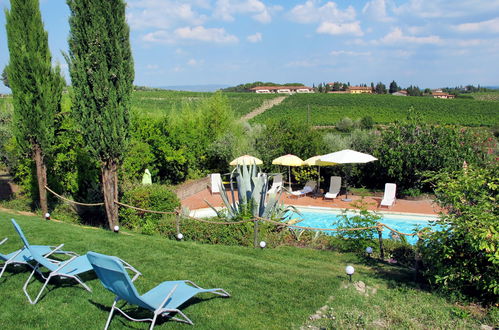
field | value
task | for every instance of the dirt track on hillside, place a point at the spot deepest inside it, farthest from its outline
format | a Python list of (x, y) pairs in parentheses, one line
[(267, 104)]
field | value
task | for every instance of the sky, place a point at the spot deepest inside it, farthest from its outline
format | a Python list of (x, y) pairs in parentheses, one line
[(428, 43)]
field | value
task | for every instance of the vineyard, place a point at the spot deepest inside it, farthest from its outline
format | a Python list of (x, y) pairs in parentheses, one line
[(159, 103), (328, 109)]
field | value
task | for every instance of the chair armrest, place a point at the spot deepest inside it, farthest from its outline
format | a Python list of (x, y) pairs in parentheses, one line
[(54, 250), (4, 240), (61, 265), (168, 296), (128, 266)]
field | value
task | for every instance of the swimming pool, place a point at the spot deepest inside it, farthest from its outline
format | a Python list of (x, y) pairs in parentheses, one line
[(324, 218)]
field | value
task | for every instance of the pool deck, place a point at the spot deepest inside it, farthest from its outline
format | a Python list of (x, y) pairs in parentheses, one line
[(426, 206)]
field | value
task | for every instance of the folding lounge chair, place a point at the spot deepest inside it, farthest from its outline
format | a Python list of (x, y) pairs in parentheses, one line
[(389, 195), (23, 256), (164, 299), (309, 188), (276, 185), (334, 187), (69, 268), (215, 183)]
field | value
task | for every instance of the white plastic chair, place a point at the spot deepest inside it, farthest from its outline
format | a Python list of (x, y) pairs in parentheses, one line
[(389, 195), (276, 185), (334, 188), (307, 189)]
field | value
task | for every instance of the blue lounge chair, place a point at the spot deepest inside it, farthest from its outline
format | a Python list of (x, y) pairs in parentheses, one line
[(23, 256), (164, 300), (69, 268)]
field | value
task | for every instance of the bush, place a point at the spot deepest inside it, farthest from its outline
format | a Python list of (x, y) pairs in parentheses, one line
[(154, 197), (345, 125), (464, 255)]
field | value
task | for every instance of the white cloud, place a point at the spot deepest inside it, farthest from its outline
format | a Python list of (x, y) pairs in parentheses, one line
[(445, 8), (198, 33), (376, 9), (311, 12), (490, 26), (396, 36), (194, 62), (352, 28), (226, 9), (349, 53), (162, 14), (257, 37), (152, 66)]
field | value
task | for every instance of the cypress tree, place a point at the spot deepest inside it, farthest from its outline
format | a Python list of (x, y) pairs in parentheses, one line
[(101, 68), (36, 86)]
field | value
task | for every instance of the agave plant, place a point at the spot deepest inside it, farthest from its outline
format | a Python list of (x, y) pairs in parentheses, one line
[(252, 198)]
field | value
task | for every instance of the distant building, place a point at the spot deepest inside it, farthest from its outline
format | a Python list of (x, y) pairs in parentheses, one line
[(359, 90), (281, 89), (442, 95), (400, 93)]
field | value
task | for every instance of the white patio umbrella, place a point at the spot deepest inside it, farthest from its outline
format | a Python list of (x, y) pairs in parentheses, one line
[(348, 156), (246, 160), (288, 160), (316, 161)]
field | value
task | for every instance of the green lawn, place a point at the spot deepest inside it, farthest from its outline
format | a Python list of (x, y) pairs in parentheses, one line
[(271, 289)]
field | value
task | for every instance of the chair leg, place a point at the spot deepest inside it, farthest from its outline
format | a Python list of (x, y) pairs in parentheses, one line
[(4, 266), (25, 287), (108, 322), (153, 321)]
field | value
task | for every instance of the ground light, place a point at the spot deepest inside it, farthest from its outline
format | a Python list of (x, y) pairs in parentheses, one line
[(369, 250), (47, 216), (116, 229), (263, 244), (350, 270), (180, 236)]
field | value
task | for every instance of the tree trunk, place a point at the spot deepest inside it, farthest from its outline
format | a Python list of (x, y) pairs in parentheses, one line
[(41, 176), (110, 191)]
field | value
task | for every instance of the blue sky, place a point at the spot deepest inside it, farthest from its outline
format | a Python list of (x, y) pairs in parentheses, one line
[(429, 43)]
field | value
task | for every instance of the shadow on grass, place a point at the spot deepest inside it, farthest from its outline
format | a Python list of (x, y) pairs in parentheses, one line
[(142, 313)]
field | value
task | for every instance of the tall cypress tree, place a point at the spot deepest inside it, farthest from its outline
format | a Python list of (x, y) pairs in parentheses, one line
[(36, 85), (101, 69)]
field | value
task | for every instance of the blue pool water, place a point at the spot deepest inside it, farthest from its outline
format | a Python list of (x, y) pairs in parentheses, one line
[(326, 219)]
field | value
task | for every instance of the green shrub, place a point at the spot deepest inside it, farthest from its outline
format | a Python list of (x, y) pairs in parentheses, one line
[(464, 255), (154, 197), (345, 125)]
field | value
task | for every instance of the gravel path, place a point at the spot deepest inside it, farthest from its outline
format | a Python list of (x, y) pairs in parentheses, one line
[(267, 104)]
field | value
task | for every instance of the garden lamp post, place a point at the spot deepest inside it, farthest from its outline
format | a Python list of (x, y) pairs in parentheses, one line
[(349, 270)]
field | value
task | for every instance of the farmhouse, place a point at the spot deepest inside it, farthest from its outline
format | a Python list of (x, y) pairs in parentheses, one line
[(360, 90), (281, 89), (442, 95), (400, 93)]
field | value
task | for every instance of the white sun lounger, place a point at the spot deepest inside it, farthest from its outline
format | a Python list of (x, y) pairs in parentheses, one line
[(276, 185), (389, 195), (309, 187), (215, 183), (334, 188)]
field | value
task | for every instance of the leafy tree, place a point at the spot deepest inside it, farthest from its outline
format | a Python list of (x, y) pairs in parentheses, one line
[(5, 79), (393, 87), (36, 86), (380, 88), (413, 91), (463, 255), (101, 68)]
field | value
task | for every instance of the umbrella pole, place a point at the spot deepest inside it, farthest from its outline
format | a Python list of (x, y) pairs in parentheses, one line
[(319, 180), (289, 177)]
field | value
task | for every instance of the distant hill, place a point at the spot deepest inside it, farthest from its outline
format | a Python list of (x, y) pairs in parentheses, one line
[(195, 88)]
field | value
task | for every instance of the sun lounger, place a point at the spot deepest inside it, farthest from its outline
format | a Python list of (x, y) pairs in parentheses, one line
[(163, 300), (307, 189), (215, 183), (334, 188), (276, 185), (71, 268), (389, 195)]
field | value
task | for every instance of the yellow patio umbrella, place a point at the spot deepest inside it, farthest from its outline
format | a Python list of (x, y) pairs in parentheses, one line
[(288, 160), (316, 161), (246, 160)]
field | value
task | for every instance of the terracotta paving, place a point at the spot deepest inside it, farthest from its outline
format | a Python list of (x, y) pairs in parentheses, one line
[(198, 201)]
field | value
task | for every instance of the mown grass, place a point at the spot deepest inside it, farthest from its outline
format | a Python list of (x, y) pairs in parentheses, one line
[(271, 288)]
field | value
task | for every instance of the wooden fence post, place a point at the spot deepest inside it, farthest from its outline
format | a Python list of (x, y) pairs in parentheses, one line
[(380, 238), (255, 233)]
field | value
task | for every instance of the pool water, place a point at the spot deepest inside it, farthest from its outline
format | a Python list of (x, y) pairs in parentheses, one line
[(327, 219)]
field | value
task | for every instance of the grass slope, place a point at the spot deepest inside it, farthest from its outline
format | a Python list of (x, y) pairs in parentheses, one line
[(271, 289), (328, 109)]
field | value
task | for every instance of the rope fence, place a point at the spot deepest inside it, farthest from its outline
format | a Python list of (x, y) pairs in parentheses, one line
[(379, 226)]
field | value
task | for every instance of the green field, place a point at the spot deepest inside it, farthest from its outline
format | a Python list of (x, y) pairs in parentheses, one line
[(486, 96), (271, 288), (158, 103), (328, 109)]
